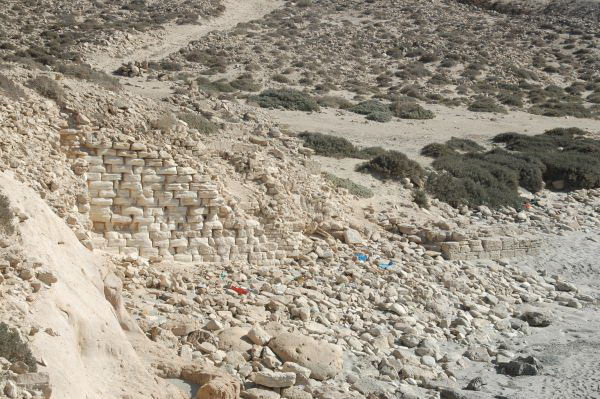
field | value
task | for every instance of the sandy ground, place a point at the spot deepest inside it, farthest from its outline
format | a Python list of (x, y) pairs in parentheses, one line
[(409, 136), (176, 37), (569, 348)]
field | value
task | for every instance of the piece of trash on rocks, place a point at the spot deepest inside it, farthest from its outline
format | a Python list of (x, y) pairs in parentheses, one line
[(360, 257), (223, 275), (386, 265), (238, 290)]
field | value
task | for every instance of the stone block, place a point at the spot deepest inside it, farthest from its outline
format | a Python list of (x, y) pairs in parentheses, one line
[(112, 160)]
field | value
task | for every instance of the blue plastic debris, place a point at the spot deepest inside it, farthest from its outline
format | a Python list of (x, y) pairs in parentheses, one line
[(386, 265), (361, 257)]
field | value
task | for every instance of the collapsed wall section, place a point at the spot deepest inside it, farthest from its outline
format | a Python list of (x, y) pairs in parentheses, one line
[(141, 202)]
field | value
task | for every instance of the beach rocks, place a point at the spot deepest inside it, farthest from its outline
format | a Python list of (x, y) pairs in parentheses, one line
[(323, 359), (273, 379), (521, 366), (537, 318)]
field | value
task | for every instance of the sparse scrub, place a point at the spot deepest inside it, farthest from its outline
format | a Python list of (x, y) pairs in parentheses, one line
[(198, 122), (373, 110), (10, 88), (353, 188), (48, 88), (420, 198), (465, 145), (393, 165), (6, 216), (334, 102), (330, 146), (287, 99), (13, 349), (436, 150), (486, 104), (86, 72), (410, 110)]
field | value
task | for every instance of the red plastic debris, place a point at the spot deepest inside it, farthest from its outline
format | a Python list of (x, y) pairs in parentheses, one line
[(240, 291)]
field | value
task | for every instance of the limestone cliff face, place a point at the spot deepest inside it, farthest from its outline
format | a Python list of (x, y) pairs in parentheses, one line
[(75, 309)]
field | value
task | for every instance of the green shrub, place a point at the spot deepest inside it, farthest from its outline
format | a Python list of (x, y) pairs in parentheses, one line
[(459, 191), (217, 86), (564, 154), (436, 150), (465, 145), (393, 165), (373, 110), (330, 146), (486, 104), (48, 88), (10, 89), (420, 198), (410, 110), (13, 349), (86, 72), (378, 116), (199, 122), (334, 102), (352, 187), (6, 216), (557, 108), (368, 107), (287, 99), (245, 83)]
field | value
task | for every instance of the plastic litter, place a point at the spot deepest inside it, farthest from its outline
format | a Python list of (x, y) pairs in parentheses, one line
[(360, 257), (386, 265), (238, 290), (223, 275)]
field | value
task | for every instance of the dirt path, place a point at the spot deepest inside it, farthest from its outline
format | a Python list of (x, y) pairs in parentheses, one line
[(177, 36)]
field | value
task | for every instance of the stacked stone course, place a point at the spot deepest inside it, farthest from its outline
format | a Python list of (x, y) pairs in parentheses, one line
[(141, 202), (490, 248)]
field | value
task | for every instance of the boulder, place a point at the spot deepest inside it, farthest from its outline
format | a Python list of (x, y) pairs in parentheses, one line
[(323, 359), (274, 379), (214, 383), (259, 336), (235, 339), (352, 236), (537, 318)]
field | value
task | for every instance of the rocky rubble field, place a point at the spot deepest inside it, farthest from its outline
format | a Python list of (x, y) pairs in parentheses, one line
[(189, 246)]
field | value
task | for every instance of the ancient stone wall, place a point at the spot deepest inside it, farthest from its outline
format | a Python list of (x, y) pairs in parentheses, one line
[(490, 248), (141, 202)]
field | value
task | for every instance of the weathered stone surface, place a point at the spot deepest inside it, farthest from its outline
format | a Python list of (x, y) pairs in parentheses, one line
[(274, 379), (219, 388), (537, 318), (258, 336), (235, 339), (322, 358)]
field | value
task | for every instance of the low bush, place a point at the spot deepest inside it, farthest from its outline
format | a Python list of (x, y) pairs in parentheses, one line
[(330, 146), (13, 349), (393, 165), (334, 102), (378, 116), (486, 104), (465, 145), (245, 83), (198, 122), (217, 86), (287, 99), (86, 72), (373, 110), (558, 108), (410, 110), (560, 154), (436, 150), (353, 188), (11, 89), (48, 88), (7, 216), (420, 198), (460, 191)]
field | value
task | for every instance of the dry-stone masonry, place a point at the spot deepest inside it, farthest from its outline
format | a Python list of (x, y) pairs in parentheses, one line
[(141, 202), (490, 248)]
